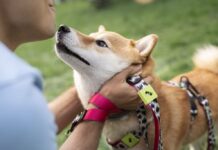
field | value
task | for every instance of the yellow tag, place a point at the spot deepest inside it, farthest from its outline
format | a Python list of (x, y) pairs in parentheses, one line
[(130, 140), (147, 94)]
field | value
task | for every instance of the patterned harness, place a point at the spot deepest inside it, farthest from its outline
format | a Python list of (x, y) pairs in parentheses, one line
[(149, 97), (195, 95)]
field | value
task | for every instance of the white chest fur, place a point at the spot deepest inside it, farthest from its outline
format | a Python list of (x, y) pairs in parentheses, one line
[(87, 85)]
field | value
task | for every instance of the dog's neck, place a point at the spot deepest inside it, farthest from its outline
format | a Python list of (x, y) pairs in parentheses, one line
[(88, 85), (156, 83)]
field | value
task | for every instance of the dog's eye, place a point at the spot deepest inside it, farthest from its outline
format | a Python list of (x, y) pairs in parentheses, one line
[(101, 43)]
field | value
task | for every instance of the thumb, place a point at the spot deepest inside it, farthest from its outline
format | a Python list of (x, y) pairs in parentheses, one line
[(131, 70)]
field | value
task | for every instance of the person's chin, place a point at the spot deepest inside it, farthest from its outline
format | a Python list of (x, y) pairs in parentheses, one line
[(47, 32), (51, 32), (42, 35)]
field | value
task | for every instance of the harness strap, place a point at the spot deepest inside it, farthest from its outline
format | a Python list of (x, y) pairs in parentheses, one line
[(211, 133), (141, 112), (205, 104), (149, 97), (143, 123), (192, 99), (158, 145)]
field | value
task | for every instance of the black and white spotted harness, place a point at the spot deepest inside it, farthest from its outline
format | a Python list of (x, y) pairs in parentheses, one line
[(193, 96), (149, 98)]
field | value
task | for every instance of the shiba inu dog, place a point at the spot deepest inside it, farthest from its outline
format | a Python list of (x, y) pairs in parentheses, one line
[(95, 58)]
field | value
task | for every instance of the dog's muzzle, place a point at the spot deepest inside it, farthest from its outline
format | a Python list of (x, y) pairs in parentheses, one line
[(62, 48)]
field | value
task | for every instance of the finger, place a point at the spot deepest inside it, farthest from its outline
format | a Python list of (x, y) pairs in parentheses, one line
[(132, 104), (132, 92), (131, 70), (148, 79)]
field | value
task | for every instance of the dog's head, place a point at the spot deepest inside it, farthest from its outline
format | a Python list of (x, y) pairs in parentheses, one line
[(102, 51)]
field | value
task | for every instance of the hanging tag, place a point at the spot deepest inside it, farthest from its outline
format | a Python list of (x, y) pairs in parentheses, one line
[(130, 140), (147, 94)]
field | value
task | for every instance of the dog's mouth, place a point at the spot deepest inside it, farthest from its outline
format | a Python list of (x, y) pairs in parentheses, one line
[(66, 50)]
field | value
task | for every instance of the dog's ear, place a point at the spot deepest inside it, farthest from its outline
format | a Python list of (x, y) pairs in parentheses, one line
[(146, 44), (101, 28)]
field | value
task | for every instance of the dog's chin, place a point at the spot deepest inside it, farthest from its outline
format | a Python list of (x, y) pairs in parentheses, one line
[(62, 49)]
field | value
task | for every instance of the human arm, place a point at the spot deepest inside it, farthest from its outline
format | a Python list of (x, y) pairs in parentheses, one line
[(65, 108), (85, 136)]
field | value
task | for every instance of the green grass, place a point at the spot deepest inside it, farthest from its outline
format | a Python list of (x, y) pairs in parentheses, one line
[(182, 26)]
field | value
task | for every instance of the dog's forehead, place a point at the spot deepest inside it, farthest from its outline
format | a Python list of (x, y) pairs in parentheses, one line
[(116, 38), (111, 36), (120, 45)]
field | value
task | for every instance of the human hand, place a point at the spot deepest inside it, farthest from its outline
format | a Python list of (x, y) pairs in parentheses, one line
[(120, 92)]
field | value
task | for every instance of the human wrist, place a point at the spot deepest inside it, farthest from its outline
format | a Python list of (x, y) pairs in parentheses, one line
[(93, 113), (103, 103), (99, 108), (96, 114)]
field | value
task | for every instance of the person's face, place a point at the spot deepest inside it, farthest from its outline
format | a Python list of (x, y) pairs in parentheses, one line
[(31, 19)]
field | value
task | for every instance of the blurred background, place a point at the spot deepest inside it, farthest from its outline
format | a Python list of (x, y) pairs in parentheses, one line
[(182, 27)]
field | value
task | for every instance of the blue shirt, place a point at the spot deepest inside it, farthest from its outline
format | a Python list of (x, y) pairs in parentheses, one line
[(25, 121)]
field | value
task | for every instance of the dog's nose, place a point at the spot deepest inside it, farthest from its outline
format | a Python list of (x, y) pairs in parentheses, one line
[(64, 29)]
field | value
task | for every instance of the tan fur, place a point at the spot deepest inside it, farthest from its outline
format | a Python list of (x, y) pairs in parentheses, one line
[(174, 102), (207, 58)]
